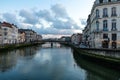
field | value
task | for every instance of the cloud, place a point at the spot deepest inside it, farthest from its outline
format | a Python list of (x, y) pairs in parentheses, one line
[(10, 17), (45, 14), (53, 21), (58, 24), (55, 31), (59, 11), (29, 16)]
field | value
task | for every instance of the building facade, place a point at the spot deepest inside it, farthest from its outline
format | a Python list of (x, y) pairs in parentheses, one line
[(103, 25), (21, 36), (76, 39), (28, 35), (0, 34), (39, 37), (9, 33)]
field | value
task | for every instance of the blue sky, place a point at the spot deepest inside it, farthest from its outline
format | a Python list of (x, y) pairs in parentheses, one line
[(48, 17)]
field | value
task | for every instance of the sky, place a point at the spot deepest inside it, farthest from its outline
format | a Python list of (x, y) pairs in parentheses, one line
[(50, 18)]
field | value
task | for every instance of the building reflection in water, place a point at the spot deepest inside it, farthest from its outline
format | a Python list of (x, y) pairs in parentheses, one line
[(9, 59), (107, 53), (95, 71)]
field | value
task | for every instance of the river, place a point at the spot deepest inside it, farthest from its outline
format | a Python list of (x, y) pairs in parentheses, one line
[(46, 62)]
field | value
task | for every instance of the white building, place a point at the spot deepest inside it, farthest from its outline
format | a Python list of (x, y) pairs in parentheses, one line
[(103, 25), (9, 33), (30, 35), (21, 36), (0, 34)]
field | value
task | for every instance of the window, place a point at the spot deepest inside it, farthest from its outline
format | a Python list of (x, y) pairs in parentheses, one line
[(113, 0), (114, 37), (97, 25), (5, 33), (105, 36), (104, 1), (114, 24), (97, 1), (97, 13), (5, 38), (105, 25), (113, 11), (105, 12), (5, 29), (114, 45)]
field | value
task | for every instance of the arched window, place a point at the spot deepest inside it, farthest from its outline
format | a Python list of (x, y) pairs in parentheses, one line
[(113, 11), (97, 13), (113, 25), (97, 25), (105, 25), (105, 12)]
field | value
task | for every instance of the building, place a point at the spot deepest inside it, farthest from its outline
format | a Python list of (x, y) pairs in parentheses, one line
[(21, 36), (29, 35), (34, 36), (103, 25), (0, 34), (39, 37), (76, 39), (9, 33)]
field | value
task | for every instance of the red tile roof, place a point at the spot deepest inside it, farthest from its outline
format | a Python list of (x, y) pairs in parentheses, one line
[(5, 24)]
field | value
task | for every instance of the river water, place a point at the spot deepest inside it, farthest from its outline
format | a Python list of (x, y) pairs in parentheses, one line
[(46, 62)]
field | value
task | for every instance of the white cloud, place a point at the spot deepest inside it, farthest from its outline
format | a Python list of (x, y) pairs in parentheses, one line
[(53, 21), (59, 11), (29, 16), (10, 17)]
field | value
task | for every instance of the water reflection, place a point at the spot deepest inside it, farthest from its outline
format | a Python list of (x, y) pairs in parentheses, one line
[(46, 63), (40, 63), (9, 59), (95, 71), (114, 54)]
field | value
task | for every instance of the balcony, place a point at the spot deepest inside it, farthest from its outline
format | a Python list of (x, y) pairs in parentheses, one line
[(106, 39), (114, 29), (105, 29), (96, 31), (105, 16), (113, 15), (97, 16)]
